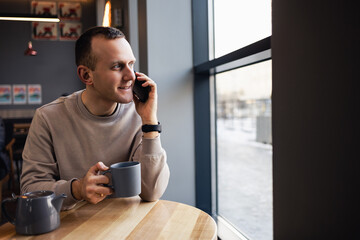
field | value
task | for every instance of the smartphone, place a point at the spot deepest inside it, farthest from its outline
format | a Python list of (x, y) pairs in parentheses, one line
[(141, 92)]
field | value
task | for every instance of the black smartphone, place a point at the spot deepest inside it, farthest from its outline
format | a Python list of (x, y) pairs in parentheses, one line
[(141, 92)]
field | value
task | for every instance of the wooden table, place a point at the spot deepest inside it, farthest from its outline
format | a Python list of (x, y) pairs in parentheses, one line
[(127, 218)]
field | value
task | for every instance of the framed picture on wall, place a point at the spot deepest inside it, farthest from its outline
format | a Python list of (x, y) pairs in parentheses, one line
[(69, 11), (44, 30), (5, 94), (69, 30), (43, 8), (19, 93), (34, 94)]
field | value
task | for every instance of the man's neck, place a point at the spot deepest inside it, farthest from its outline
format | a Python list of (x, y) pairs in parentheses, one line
[(96, 106)]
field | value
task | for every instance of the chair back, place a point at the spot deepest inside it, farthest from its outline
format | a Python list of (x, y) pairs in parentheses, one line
[(4, 158), (2, 134)]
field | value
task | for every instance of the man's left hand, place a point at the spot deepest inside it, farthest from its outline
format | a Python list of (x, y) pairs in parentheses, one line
[(147, 110)]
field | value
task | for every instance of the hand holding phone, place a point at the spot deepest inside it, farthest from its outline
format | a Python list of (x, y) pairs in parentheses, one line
[(141, 92)]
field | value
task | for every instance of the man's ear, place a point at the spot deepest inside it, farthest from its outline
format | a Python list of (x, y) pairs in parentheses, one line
[(85, 74)]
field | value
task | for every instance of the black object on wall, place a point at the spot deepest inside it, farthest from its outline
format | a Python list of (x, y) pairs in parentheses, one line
[(53, 67)]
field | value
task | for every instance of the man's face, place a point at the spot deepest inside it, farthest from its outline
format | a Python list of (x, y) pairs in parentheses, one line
[(113, 76)]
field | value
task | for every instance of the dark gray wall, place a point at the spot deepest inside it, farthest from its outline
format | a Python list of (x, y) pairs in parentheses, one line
[(54, 66), (315, 48)]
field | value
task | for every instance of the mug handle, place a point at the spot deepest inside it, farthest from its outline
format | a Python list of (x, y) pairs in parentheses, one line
[(107, 185), (7, 216)]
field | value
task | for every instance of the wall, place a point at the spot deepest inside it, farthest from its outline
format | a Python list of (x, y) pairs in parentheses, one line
[(315, 49), (169, 52), (54, 66), (169, 63)]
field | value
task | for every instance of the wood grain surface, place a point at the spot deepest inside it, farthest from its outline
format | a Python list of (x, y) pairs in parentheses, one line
[(127, 218)]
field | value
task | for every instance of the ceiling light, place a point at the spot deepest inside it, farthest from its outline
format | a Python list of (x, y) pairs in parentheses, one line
[(28, 17), (107, 15)]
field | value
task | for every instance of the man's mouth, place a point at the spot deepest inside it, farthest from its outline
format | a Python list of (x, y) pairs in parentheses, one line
[(125, 87)]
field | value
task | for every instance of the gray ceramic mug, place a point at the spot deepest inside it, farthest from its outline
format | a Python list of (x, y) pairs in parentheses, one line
[(125, 178)]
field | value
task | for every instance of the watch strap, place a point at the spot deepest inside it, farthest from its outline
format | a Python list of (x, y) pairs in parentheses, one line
[(151, 128)]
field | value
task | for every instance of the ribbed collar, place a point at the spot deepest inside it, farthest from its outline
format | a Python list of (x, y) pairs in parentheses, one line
[(86, 113)]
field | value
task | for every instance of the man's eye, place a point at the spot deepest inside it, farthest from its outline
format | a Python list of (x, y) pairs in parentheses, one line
[(116, 67)]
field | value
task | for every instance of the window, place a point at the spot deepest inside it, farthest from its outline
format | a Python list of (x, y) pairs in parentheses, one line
[(233, 139), (238, 23), (244, 150), (243, 120)]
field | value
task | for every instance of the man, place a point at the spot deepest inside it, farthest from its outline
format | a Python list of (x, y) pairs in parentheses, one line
[(75, 137)]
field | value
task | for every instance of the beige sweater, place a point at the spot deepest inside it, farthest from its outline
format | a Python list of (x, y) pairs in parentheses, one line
[(65, 140)]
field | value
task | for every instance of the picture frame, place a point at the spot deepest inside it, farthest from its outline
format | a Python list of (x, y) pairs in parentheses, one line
[(70, 30), (44, 30), (34, 94), (5, 94), (19, 93), (43, 8), (69, 11)]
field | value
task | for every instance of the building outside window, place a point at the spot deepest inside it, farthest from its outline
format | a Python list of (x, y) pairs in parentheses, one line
[(244, 149)]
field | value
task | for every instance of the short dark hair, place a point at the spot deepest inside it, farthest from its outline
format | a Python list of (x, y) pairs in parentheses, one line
[(83, 53)]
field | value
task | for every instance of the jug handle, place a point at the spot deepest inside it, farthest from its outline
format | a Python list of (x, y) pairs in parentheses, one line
[(7, 216)]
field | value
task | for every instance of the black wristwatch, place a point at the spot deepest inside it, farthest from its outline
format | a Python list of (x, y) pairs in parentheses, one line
[(151, 128)]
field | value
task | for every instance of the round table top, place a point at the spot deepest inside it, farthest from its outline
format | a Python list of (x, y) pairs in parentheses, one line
[(128, 218)]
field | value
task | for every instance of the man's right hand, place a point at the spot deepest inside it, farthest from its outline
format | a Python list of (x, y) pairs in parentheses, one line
[(90, 188)]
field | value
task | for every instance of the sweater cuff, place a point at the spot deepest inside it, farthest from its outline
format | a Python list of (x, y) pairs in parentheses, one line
[(151, 145), (65, 187)]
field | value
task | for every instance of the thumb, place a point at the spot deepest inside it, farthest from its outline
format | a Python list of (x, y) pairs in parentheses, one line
[(99, 166)]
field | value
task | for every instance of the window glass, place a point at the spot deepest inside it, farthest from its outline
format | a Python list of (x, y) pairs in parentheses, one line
[(244, 149), (238, 23)]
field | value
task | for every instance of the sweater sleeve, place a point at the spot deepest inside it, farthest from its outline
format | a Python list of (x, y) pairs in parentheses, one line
[(154, 169), (40, 170)]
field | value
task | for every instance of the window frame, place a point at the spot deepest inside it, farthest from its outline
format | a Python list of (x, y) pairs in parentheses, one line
[(205, 69)]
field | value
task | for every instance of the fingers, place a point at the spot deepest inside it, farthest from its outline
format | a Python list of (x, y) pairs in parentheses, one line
[(98, 179), (146, 81), (93, 190), (98, 194), (148, 109)]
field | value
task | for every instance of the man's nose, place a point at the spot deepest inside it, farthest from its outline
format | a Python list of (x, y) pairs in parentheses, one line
[(129, 74)]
